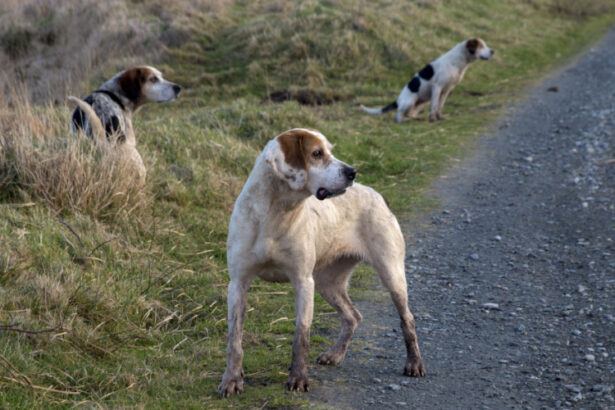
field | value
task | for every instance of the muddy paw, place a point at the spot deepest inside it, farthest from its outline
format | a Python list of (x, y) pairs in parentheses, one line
[(298, 382), (230, 385), (330, 358), (415, 368)]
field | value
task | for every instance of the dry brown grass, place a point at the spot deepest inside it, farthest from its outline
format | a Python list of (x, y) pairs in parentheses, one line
[(41, 160), (59, 47)]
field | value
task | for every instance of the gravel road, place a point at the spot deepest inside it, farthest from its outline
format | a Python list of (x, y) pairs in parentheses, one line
[(512, 279)]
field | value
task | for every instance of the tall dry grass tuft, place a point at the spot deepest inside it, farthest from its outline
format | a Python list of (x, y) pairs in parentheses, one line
[(61, 47), (41, 160)]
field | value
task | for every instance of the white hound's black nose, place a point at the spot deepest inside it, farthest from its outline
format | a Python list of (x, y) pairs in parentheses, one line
[(350, 173), (177, 89)]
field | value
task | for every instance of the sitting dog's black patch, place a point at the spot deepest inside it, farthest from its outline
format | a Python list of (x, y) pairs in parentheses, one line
[(427, 72), (390, 107), (414, 84)]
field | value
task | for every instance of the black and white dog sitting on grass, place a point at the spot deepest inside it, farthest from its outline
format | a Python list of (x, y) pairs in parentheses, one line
[(435, 81)]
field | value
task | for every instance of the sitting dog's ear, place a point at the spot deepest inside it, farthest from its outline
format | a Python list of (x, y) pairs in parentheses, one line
[(472, 45), (287, 160)]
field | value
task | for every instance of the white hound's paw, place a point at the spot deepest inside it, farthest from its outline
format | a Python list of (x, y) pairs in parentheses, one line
[(330, 358), (298, 382), (415, 368), (231, 385)]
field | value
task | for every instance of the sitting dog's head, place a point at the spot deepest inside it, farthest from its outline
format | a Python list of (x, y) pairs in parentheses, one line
[(302, 158), (145, 84), (477, 48)]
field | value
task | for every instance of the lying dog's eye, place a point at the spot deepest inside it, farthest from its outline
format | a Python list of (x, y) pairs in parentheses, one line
[(153, 80), (317, 154)]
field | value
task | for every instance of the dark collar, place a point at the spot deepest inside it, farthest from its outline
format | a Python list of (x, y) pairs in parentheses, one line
[(113, 96)]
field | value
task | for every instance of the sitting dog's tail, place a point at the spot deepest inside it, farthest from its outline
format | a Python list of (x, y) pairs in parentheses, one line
[(382, 110), (98, 131)]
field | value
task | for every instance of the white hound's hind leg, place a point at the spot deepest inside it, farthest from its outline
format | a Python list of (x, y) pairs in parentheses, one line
[(389, 263), (332, 284)]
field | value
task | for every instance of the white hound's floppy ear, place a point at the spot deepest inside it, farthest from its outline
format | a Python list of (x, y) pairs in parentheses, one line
[(287, 160)]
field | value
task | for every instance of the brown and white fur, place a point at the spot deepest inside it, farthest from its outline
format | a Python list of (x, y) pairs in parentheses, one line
[(106, 114), (299, 218), (434, 82)]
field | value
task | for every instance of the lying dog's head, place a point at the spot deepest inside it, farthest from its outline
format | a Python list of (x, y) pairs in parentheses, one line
[(477, 48), (302, 158), (145, 84)]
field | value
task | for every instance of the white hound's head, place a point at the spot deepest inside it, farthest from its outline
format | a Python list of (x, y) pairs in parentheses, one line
[(477, 48), (145, 84), (302, 158)]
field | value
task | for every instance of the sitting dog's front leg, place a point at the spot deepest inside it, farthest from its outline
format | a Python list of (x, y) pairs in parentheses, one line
[(232, 380), (304, 309)]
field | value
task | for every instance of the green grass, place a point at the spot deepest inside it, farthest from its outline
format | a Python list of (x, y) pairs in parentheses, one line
[(133, 307)]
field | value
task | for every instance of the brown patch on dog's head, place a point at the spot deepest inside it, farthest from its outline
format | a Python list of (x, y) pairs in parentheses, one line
[(302, 148), (132, 81), (472, 45)]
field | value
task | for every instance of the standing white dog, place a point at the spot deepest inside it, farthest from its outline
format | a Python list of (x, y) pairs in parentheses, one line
[(299, 218), (436, 81)]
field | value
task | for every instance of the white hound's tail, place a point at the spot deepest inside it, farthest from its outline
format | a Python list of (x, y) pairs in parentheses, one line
[(382, 110), (98, 131)]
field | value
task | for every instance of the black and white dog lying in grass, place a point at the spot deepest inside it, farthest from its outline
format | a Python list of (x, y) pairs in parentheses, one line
[(436, 81)]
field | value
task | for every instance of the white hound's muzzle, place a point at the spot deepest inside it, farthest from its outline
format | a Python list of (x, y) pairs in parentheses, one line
[(332, 180)]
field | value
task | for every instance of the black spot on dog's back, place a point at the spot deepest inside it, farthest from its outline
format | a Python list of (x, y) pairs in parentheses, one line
[(79, 116), (112, 126), (427, 72), (414, 84)]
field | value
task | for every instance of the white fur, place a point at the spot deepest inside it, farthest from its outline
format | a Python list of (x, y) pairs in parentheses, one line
[(280, 232)]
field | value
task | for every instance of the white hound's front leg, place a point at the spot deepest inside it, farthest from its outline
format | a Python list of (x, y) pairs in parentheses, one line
[(435, 102), (232, 380), (304, 309)]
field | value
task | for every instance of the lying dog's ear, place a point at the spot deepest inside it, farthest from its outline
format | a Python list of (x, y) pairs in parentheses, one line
[(132, 82), (472, 45), (287, 160)]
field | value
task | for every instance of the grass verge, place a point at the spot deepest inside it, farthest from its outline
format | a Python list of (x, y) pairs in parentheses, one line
[(128, 307)]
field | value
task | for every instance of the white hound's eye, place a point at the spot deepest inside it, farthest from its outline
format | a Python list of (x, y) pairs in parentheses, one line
[(154, 80), (317, 154)]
